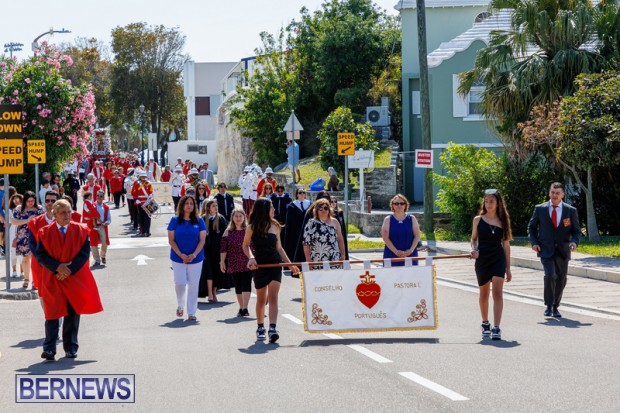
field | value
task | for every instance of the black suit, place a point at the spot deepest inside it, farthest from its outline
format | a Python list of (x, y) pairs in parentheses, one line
[(225, 204), (554, 247)]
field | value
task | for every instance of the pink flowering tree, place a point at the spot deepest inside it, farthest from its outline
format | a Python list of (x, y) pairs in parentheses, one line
[(54, 110)]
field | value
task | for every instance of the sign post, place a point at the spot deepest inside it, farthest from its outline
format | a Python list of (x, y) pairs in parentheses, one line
[(293, 129), (363, 159), (11, 130), (346, 147)]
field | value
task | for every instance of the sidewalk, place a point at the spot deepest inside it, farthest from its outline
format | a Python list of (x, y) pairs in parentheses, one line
[(593, 281)]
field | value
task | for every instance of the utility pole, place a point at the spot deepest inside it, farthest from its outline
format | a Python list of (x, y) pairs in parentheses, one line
[(425, 114)]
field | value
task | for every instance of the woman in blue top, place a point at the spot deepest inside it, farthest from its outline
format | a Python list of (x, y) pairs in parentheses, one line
[(400, 231), (186, 235)]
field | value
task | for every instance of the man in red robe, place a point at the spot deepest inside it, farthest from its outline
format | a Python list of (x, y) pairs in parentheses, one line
[(91, 186), (70, 288), (34, 225)]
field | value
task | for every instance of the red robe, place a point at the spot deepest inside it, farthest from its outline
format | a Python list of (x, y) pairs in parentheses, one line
[(80, 288), (76, 217), (94, 214), (96, 188), (34, 225)]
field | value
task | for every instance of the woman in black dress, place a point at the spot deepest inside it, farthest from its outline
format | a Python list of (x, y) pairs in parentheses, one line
[(212, 278), (490, 240), (264, 233)]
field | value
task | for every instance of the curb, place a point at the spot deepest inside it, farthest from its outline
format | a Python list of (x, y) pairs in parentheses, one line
[(573, 270), (538, 299), (18, 295)]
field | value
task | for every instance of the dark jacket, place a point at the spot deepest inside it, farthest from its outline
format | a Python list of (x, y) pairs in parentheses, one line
[(550, 239)]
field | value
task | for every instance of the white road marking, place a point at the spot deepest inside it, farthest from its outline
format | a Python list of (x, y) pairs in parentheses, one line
[(333, 336), (292, 318), (433, 386), (141, 259), (370, 354)]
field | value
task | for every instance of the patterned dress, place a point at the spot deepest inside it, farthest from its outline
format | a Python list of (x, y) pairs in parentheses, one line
[(323, 241), (22, 247)]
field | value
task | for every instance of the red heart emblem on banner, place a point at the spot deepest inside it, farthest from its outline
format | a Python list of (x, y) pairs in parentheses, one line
[(368, 291)]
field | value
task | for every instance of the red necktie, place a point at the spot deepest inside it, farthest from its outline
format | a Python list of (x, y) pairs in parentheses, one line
[(554, 216)]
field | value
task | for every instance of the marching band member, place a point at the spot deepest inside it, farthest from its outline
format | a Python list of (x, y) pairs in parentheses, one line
[(142, 191), (192, 179), (176, 182), (268, 179)]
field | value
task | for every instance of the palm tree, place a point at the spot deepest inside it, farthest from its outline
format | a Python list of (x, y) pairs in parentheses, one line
[(536, 61)]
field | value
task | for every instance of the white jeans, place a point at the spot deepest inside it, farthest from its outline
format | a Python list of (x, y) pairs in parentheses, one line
[(186, 279)]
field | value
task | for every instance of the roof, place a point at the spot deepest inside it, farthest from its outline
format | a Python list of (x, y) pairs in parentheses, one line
[(482, 31), (411, 4)]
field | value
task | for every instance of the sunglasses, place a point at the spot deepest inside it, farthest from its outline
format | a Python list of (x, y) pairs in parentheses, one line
[(398, 203), (334, 201), (301, 193), (99, 196), (323, 208), (50, 201), (490, 191)]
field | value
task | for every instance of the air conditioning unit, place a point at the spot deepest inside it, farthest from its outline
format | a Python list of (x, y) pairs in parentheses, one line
[(378, 115)]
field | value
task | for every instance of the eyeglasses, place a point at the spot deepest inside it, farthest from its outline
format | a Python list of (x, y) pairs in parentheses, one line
[(50, 201), (490, 191), (323, 208), (398, 203)]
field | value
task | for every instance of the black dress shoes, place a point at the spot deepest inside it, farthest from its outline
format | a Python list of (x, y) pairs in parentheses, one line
[(548, 311), (48, 355), (556, 313), (71, 354)]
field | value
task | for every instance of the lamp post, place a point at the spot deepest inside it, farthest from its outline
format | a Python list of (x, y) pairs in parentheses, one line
[(141, 109), (51, 31)]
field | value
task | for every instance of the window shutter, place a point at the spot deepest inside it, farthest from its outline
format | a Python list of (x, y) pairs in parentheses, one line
[(459, 103)]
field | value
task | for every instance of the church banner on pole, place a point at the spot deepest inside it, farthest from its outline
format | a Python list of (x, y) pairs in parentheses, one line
[(369, 300)]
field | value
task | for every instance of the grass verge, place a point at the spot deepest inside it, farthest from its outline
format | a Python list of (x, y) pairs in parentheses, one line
[(356, 244)]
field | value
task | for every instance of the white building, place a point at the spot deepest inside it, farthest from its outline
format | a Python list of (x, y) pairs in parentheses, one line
[(203, 94)]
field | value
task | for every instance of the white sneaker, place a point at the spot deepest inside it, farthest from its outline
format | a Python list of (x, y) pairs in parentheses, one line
[(14, 275)]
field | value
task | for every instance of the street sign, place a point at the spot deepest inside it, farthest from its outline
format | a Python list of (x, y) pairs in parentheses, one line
[(346, 144), (11, 122), (362, 159), (423, 158), (292, 124), (152, 145), (11, 156), (36, 151)]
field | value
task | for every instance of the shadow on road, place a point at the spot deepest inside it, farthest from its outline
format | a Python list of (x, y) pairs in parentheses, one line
[(28, 344), (297, 300), (260, 347), (564, 322), (500, 343), (61, 364), (179, 323), (236, 320), (219, 304), (347, 341)]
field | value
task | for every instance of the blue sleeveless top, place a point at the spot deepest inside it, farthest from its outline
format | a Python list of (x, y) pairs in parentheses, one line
[(401, 235)]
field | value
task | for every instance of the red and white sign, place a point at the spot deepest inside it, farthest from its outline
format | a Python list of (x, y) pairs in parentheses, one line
[(423, 158), (377, 299)]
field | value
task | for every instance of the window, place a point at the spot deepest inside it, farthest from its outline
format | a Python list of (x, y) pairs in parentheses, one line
[(481, 16), (203, 106), (474, 99)]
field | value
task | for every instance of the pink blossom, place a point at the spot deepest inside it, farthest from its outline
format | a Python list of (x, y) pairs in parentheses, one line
[(16, 92), (27, 80), (34, 121)]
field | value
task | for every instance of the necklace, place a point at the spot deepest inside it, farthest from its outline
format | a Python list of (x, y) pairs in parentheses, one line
[(493, 228)]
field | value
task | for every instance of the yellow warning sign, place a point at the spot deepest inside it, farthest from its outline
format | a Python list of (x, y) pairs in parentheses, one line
[(346, 144), (36, 151), (11, 156)]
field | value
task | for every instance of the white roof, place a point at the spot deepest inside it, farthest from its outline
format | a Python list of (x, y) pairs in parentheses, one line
[(411, 4), (482, 31)]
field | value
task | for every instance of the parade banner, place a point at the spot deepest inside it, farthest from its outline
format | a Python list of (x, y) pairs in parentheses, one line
[(377, 299), (162, 192)]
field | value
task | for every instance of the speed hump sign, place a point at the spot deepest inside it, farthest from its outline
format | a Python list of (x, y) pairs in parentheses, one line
[(346, 144), (36, 151)]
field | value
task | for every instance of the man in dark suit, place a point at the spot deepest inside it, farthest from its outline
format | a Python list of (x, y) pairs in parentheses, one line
[(554, 232)]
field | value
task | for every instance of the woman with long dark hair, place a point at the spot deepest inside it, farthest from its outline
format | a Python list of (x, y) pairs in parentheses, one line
[(186, 235), (490, 241), (212, 277), (22, 214), (264, 233)]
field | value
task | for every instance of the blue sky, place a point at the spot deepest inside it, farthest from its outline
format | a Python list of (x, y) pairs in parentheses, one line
[(216, 30)]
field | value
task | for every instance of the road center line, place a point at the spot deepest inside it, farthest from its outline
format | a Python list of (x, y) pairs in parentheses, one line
[(293, 319), (433, 386), (370, 354)]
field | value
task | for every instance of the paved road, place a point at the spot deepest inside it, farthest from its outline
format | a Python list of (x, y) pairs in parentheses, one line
[(542, 365)]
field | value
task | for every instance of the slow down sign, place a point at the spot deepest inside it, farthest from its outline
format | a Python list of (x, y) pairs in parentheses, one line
[(36, 151)]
